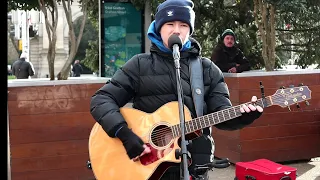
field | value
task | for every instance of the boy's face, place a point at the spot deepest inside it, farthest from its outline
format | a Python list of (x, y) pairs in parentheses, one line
[(176, 27), (228, 41)]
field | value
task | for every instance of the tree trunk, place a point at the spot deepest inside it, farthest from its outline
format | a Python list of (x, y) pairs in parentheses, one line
[(74, 41), (264, 14), (51, 29)]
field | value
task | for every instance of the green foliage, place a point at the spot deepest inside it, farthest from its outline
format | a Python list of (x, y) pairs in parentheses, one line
[(28, 4), (212, 17), (91, 59), (302, 37), (11, 77), (22, 4), (90, 33)]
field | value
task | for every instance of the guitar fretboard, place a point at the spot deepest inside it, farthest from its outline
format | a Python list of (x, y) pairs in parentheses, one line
[(216, 117)]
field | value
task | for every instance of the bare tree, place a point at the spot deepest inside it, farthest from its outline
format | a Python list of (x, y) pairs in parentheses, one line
[(74, 41), (51, 28), (264, 14)]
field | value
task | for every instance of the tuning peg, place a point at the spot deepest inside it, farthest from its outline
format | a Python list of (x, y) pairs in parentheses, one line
[(298, 105), (291, 86), (301, 84), (307, 103), (289, 108)]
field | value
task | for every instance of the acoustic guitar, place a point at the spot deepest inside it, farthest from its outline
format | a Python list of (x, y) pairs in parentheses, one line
[(160, 130)]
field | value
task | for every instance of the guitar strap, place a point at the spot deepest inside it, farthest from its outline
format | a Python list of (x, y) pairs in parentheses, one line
[(197, 87)]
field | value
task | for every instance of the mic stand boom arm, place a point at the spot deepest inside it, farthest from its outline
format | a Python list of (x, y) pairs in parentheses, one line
[(183, 153)]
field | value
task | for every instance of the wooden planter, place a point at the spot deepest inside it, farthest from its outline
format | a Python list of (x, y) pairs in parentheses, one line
[(49, 126), (50, 122), (279, 134)]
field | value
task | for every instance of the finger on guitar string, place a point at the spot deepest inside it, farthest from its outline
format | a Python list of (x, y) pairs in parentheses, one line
[(252, 107), (254, 100), (244, 108), (259, 108)]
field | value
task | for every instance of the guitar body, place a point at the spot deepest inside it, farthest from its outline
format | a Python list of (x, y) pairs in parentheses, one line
[(108, 157), (160, 131)]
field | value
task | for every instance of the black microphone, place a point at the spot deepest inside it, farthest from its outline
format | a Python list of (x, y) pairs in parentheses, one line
[(175, 44)]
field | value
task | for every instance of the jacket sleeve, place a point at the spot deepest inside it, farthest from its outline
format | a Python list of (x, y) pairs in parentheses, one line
[(218, 99), (243, 63), (221, 63), (30, 70), (13, 69), (106, 102)]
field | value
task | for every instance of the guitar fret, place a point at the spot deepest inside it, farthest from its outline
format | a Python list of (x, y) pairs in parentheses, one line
[(205, 120), (188, 126), (196, 125), (216, 118), (235, 113), (192, 126), (201, 122), (219, 120)]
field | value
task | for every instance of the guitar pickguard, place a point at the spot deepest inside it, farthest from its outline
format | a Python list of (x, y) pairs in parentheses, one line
[(155, 154)]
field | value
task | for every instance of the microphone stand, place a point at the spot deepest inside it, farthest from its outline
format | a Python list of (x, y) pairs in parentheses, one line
[(183, 153)]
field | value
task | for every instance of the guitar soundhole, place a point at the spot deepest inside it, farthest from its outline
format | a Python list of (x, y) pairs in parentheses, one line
[(161, 136)]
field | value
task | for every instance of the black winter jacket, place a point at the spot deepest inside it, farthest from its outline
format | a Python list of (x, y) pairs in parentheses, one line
[(227, 58), (22, 69), (150, 81)]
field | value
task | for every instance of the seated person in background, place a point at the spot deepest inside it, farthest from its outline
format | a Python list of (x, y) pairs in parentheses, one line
[(227, 56)]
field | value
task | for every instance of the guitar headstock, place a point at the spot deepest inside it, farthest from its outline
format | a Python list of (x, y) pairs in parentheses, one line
[(286, 97)]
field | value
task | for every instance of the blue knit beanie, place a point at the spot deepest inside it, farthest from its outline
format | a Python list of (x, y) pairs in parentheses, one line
[(175, 10)]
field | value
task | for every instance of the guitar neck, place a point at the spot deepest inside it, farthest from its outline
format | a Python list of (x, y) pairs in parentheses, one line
[(216, 117)]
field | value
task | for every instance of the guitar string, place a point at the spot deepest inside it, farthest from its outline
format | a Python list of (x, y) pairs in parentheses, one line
[(238, 106), (201, 120), (195, 119)]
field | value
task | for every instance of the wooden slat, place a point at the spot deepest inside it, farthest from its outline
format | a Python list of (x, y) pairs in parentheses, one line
[(48, 92), (234, 95), (223, 152), (77, 173), (22, 136), (43, 121), (229, 134), (45, 149), (233, 83), (279, 131), (282, 155), (278, 81), (48, 163), (284, 118), (48, 106), (227, 143), (92, 88), (278, 143)]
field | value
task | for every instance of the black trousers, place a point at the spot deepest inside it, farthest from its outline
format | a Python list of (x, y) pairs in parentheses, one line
[(202, 150)]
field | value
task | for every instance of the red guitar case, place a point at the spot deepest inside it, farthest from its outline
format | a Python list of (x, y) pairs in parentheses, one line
[(263, 169)]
